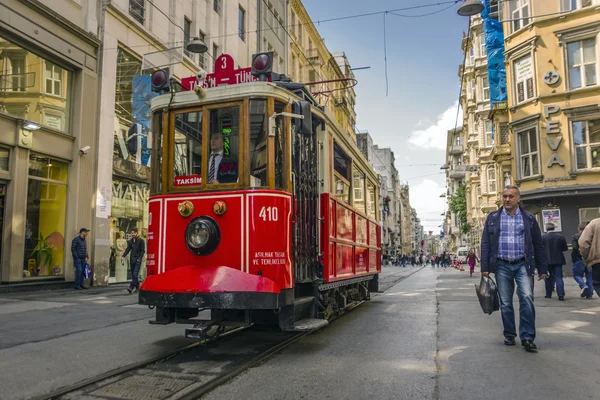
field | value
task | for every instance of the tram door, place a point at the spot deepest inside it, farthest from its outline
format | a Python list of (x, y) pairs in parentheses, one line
[(305, 179)]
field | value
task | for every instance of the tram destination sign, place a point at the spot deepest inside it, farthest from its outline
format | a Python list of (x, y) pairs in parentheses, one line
[(224, 74)]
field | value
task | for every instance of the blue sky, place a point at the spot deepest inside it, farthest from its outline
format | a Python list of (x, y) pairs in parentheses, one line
[(423, 55)]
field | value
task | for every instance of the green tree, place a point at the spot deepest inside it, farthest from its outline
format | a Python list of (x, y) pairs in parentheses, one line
[(458, 205)]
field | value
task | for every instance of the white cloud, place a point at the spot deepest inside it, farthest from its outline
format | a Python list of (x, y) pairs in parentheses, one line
[(434, 136), (425, 198)]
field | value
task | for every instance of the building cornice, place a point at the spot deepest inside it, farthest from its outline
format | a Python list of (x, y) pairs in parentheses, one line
[(523, 121), (577, 31), (560, 191), (89, 37), (522, 48)]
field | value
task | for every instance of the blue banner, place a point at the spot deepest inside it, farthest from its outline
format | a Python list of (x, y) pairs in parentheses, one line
[(140, 108), (494, 44)]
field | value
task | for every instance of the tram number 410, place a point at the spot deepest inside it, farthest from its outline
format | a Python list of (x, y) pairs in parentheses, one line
[(269, 214)]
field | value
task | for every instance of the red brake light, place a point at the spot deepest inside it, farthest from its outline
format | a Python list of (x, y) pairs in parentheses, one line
[(262, 62), (159, 78)]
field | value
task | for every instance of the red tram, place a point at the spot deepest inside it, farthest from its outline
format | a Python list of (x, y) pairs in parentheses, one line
[(262, 210)]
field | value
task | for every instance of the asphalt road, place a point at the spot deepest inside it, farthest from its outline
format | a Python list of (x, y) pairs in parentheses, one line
[(427, 338), (423, 338)]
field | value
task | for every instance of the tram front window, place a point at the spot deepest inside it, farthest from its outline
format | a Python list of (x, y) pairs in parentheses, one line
[(187, 160), (223, 149)]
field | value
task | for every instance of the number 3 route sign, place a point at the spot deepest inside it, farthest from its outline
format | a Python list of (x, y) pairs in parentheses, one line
[(224, 74)]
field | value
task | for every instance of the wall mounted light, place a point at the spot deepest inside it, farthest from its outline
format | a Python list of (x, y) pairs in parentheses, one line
[(30, 126)]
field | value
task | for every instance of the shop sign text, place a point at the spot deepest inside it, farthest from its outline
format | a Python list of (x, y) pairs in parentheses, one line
[(553, 128)]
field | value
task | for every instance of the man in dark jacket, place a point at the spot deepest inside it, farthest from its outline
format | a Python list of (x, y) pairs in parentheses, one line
[(579, 268), (555, 244), (512, 248), (136, 248), (80, 257)]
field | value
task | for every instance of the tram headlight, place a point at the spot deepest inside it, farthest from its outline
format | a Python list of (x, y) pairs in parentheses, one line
[(202, 235)]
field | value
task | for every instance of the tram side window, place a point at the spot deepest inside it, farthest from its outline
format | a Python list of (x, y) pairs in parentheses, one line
[(280, 148), (223, 149), (341, 167), (371, 212), (358, 190), (187, 160), (258, 143), (157, 153)]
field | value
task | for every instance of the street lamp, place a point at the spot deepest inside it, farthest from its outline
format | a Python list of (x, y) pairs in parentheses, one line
[(196, 46), (470, 8)]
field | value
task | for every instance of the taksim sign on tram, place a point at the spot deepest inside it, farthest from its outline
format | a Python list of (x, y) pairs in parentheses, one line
[(224, 74)]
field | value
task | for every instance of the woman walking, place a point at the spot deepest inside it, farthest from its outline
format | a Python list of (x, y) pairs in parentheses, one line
[(472, 260)]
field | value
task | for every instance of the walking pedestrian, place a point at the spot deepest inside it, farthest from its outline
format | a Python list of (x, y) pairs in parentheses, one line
[(555, 244), (511, 248), (472, 260), (136, 248), (589, 245), (579, 268), (80, 257)]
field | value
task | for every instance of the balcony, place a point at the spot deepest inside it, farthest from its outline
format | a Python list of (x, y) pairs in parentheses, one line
[(313, 56), (456, 174), (457, 149)]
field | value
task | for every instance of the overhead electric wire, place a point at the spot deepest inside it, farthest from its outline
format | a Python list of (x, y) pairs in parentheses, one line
[(318, 22), (293, 40), (385, 56)]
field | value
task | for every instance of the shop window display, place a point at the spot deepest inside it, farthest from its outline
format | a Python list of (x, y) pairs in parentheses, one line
[(128, 211), (46, 215)]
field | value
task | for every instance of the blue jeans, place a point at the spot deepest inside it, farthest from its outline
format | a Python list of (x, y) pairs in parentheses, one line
[(555, 278), (135, 270), (506, 275), (587, 272), (79, 265)]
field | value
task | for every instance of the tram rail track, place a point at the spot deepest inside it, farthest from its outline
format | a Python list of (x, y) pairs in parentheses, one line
[(106, 385), (103, 386)]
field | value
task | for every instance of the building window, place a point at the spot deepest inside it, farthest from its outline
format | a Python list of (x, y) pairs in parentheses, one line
[(137, 10), (217, 6), (474, 90), (293, 23), (187, 29), (46, 216), (485, 88), (588, 214), (581, 58), (215, 51), (491, 178), (529, 160), (471, 56), (571, 5), (586, 140), (489, 133), (202, 57), (13, 70), (524, 84), (519, 13), (25, 94), (4, 162), (494, 9), (482, 52), (54, 78), (478, 191), (504, 134), (242, 23)]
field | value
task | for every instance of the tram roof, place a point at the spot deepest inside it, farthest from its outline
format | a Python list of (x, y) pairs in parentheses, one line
[(222, 93)]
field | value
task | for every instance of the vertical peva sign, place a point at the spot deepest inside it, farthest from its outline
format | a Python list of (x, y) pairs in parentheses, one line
[(224, 74)]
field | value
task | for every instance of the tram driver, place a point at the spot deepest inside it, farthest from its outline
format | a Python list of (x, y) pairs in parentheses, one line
[(222, 167)]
